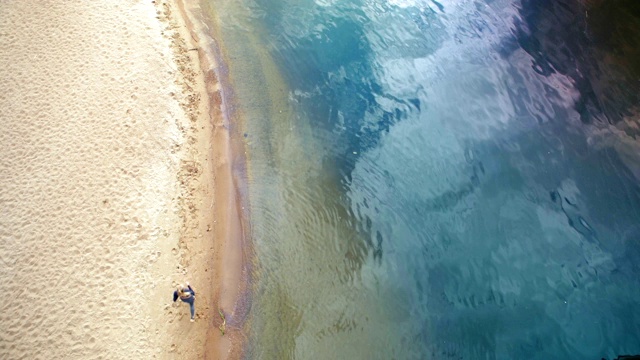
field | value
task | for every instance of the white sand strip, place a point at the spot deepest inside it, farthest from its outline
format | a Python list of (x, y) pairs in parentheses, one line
[(103, 177)]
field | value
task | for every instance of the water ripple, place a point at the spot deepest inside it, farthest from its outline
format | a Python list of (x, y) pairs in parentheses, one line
[(453, 179)]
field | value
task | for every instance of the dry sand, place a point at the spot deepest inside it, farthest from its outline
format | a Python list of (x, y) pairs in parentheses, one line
[(109, 153)]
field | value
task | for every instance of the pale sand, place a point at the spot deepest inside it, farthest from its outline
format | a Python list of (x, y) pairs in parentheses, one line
[(109, 153)]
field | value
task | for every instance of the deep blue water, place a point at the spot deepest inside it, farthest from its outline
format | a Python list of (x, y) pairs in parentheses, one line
[(440, 180)]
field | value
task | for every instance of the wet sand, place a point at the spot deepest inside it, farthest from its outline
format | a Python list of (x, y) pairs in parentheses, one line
[(115, 185)]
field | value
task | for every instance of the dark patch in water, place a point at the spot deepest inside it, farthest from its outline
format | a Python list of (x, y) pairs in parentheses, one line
[(596, 43)]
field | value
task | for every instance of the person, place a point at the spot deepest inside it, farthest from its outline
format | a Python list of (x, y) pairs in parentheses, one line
[(186, 294)]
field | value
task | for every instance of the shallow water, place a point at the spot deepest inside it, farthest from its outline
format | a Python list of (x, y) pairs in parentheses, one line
[(445, 180)]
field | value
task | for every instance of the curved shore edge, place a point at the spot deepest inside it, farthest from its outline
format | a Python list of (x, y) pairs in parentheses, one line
[(231, 273), (118, 182)]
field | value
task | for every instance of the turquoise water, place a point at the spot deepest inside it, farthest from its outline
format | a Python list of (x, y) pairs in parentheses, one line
[(439, 180)]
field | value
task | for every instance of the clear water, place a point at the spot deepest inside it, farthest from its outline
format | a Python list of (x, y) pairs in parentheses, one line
[(439, 180)]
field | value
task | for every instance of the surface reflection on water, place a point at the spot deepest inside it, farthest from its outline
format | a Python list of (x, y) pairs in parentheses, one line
[(447, 180)]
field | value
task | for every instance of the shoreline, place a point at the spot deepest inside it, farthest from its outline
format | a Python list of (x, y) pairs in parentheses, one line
[(119, 182), (231, 273)]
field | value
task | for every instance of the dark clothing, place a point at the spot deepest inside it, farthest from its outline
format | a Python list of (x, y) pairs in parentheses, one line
[(190, 300), (188, 290)]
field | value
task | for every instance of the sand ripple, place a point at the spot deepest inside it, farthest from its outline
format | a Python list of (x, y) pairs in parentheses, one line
[(90, 141)]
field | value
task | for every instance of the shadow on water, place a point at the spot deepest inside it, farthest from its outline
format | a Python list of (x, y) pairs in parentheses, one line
[(596, 43), (454, 180)]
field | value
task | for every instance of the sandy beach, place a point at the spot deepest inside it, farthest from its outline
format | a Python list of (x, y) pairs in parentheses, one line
[(115, 186)]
